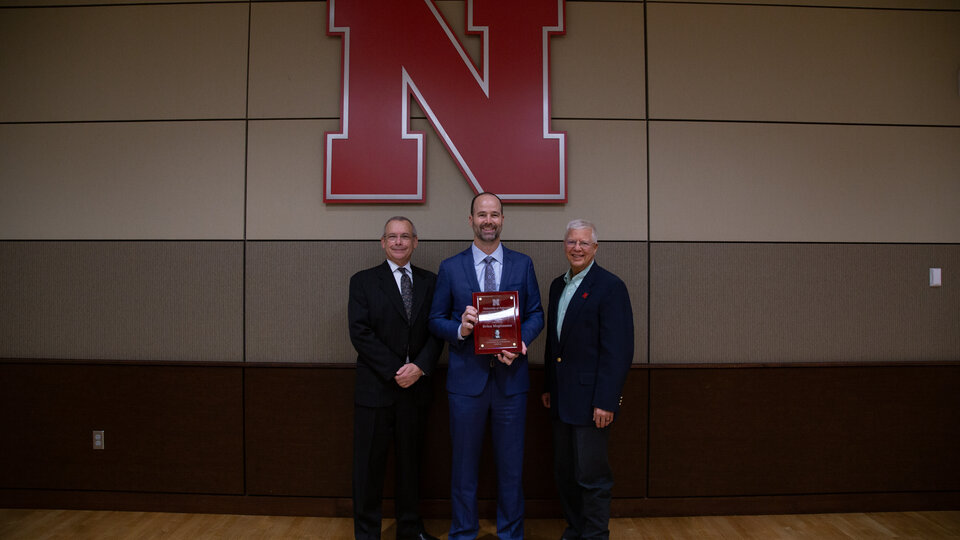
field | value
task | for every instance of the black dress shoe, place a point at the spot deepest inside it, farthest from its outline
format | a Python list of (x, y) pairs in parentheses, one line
[(421, 536)]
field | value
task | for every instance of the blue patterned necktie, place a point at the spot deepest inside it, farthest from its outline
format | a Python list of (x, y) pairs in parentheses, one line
[(406, 291), (489, 277)]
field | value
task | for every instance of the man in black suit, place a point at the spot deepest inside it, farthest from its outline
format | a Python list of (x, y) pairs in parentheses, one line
[(396, 354), (588, 353)]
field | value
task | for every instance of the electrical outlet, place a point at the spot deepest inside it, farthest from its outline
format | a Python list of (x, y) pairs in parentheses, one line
[(98, 439)]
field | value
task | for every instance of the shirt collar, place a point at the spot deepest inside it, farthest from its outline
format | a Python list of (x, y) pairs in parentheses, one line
[(580, 275), (394, 266), (479, 256)]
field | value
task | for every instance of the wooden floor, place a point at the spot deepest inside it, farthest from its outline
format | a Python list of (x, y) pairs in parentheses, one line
[(84, 525)]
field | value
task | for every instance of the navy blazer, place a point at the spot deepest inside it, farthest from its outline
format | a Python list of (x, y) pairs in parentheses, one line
[(383, 337), (587, 366), (456, 283)]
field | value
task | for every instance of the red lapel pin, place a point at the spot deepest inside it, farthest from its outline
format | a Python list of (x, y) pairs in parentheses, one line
[(585, 295)]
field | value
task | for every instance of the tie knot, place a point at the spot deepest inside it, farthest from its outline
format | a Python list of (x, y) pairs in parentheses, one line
[(489, 259), (402, 270)]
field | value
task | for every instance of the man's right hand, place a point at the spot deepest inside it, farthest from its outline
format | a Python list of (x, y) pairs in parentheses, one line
[(468, 320), (545, 398)]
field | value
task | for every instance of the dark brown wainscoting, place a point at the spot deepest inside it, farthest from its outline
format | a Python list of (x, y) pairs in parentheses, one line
[(167, 428), (276, 439), (299, 427), (804, 430)]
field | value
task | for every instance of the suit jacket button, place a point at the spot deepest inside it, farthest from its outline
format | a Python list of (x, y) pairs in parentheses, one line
[(559, 359)]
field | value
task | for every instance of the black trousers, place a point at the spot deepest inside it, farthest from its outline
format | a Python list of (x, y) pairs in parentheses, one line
[(375, 429), (584, 479)]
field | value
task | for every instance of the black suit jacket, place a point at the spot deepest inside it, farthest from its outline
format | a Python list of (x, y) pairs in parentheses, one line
[(383, 337), (587, 365)]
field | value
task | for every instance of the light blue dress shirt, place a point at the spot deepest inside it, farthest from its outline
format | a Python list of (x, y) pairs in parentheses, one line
[(479, 265), (572, 283)]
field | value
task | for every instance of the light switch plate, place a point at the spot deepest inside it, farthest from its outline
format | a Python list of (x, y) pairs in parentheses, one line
[(935, 277), (98, 439)]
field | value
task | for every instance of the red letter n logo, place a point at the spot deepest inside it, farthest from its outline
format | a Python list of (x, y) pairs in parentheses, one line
[(494, 120)]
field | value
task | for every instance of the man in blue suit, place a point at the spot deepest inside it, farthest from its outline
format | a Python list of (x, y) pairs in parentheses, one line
[(588, 353), (482, 387)]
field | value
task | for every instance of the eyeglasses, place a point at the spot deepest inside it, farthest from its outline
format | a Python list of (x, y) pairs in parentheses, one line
[(402, 237), (579, 243)]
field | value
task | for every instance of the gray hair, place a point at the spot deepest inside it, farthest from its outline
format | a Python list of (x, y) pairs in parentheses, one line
[(579, 224), (400, 218)]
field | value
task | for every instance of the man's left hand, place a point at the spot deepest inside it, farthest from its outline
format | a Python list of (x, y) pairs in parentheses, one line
[(508, 357), (601, 417), (407, 375)]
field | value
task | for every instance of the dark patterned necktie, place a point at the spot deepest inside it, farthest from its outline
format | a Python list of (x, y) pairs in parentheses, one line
[(489, 277), (406, 291)]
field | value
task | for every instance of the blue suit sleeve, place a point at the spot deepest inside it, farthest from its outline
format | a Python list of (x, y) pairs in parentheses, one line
[(444, 316), (532, 323)]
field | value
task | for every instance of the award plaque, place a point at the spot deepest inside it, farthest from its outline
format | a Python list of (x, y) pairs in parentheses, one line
[(498, 327)]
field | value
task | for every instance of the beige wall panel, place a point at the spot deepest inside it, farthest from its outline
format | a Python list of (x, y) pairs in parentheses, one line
[(297, 295), (803, 183), (28, 3), (628, 260), (296, 299), (891, 4), (607, 181), (606, 173), (802, 303), (123, 63), (722, 62), (177, 301), (154, 180), (294, 65), (297, 292), (597, 68)]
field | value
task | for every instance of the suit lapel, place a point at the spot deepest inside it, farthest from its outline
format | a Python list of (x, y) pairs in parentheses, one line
[(470, 269), (466, 260), (389, 286), (508, 267), (556, 289), (419, 292)]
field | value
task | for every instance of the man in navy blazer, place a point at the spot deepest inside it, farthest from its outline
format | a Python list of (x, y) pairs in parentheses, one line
[(587, 356), (396, 354), (482, 387)]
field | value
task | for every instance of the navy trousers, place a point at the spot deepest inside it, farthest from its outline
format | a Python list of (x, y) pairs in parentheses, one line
[(468, 420)]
